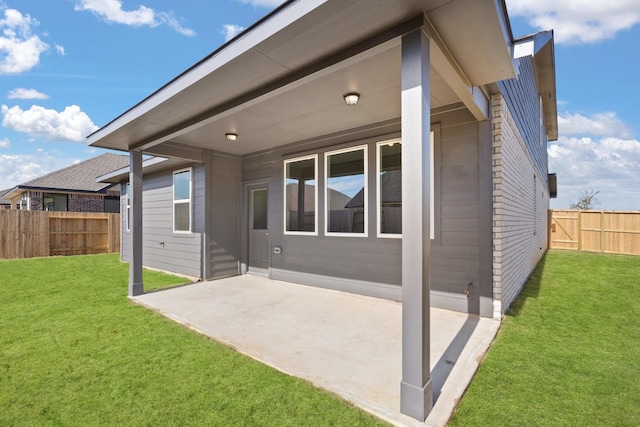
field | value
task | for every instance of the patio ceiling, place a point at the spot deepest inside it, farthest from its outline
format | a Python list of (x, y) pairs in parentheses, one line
[(282, 81)]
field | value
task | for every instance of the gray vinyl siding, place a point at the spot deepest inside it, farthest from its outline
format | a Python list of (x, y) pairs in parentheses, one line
[(522, 97), (521, 202), (161, 247), (223, 196), (313, 259), (455, 251), (372, 265)]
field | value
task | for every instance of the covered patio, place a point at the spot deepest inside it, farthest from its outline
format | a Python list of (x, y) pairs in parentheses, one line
[(345, 343)]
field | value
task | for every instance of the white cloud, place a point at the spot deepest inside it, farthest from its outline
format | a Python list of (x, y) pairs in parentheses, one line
[(578, 21), (600, 124), (263, 3), (111, 11), (19, 168), (20, 49), (60, 50), (5, 143), (24, 93), (230, 31), (604, 156), (72, 124)]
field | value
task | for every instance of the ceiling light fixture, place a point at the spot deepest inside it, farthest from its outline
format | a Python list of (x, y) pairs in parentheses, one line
[(231, 136), (351, 98)]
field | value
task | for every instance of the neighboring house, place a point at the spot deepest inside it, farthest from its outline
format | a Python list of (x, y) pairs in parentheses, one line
[(72, 189), (4, 203), (432, 190)]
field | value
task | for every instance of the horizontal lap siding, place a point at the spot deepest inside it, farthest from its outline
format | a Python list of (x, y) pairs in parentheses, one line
[(455, 251), (366, 259), (161, 247), (224, 198), (522, 98)]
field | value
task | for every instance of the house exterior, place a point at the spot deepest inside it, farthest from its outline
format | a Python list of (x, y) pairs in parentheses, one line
[(71, 189), (432, 189), (4, 203)]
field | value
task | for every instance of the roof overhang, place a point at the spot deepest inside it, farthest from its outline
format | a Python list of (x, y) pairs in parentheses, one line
[(541, 47), (149, 166), (282, 80), (19, 190)]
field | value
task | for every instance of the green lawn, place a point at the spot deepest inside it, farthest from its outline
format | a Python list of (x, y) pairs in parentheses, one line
[(568, 352), (74, 351)]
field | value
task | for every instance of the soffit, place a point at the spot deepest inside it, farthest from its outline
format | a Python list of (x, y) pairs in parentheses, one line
[(310, 109), (317, 108)]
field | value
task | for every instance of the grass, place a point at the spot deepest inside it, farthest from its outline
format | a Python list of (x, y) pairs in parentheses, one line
[(75, 351), (568, 352)]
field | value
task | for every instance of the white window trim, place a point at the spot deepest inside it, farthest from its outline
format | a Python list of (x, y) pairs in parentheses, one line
[(379, 232), (364, 148), (127, 204), (315, 196), (432, 184), (181, 201)]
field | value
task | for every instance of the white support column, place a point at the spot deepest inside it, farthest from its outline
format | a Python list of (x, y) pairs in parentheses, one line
[(416, 394), (135, 224)]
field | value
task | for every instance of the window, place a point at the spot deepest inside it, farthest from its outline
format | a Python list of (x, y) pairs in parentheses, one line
[(182, 200), (54, 202), (301, 195), (112, 204), (346, 192), (128, 203), (389, 171), (260, 208)]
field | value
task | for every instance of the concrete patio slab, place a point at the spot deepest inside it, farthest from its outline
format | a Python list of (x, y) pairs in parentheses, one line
[(345, 343)]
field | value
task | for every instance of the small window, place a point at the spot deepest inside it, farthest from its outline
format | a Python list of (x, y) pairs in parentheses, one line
[(301, 195), (346, 192), (182, 201), (389, 161), (128, 204), (54, 202)]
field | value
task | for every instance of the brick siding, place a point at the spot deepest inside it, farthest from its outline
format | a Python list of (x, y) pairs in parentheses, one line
[(520, 205)]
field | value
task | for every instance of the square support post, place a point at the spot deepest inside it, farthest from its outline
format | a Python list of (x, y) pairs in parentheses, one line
[(135, 223), (416, 393)]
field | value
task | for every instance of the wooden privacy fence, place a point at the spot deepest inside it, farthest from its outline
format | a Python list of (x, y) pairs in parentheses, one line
[(615, 232), (28, 234)]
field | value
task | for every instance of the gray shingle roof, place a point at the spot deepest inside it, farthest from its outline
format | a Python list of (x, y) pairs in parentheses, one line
[(81, 176), (4, 201)]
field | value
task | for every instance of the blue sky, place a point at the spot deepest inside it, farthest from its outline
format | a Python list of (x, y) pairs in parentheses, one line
[(68, 67)]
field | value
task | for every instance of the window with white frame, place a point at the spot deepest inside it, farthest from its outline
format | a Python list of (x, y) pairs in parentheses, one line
[(346, 192), (389, 188), (182, 200), (301, 195), (128, 204)]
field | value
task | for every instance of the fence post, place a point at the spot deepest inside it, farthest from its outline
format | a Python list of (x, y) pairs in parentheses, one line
[(579, 230), (602, 231)]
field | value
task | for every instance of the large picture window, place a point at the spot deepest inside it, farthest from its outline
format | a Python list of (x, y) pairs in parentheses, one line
[(346, 192), (182, 200), (389, 175), (301, 195)]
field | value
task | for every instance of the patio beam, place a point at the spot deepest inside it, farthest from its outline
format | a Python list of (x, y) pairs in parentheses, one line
[(473, 97), (135, 223), (416, 394)]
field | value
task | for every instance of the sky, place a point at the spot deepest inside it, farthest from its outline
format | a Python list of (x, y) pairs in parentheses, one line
[(68, 67)]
